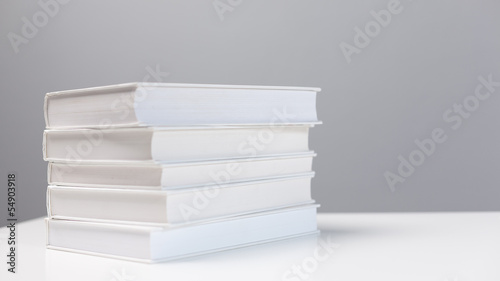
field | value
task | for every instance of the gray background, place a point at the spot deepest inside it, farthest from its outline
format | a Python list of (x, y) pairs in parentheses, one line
[(393, 92)]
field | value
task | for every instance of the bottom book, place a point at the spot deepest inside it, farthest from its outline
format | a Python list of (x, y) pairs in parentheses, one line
[(156, 244)]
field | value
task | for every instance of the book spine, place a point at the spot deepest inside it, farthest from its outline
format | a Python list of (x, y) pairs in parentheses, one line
[(46, 110)]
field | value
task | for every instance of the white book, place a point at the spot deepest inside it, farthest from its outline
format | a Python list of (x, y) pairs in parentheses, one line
[(154, 244), (161, 144), (176, 206), (177, 175), (169, 104)]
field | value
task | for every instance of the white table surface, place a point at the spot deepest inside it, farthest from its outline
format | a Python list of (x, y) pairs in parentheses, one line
[(427, 246)]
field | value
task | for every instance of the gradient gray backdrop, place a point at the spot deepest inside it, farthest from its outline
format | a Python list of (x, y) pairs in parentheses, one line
[(393, 92)]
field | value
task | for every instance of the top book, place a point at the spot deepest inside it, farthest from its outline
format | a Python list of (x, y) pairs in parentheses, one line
[(168, 104)]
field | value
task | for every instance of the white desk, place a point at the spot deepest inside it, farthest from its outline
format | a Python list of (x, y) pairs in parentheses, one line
[(386, 247)]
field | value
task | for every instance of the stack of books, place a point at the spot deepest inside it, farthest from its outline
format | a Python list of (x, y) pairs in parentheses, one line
[(158, 171)]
